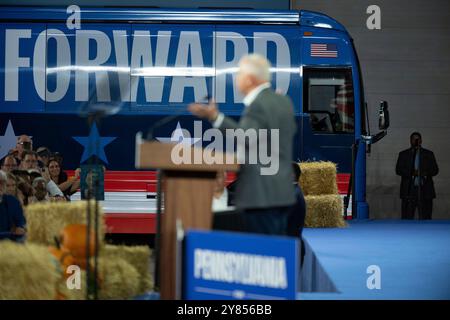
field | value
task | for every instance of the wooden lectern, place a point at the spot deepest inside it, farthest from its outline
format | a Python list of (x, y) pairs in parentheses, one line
[(188, 192)]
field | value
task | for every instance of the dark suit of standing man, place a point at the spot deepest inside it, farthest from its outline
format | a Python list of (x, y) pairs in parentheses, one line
[(264, 199), (417, 166)]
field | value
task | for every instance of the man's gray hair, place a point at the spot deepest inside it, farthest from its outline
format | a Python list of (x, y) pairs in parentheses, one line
[(256, 65)]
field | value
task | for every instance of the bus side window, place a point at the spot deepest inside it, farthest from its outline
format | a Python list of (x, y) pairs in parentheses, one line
[(328, 98)]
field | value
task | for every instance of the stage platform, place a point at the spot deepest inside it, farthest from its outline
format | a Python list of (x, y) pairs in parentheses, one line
[(413, 257)]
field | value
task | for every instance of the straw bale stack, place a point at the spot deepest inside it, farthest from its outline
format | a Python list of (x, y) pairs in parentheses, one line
[(27, 271), (124, 272), (138, 257), (119, 279), (323, 203), (46, 220), (72, 294), (324, 211), (318, 178)]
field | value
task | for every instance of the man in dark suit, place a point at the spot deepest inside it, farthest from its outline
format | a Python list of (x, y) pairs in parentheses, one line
[(264, 197), (417, 166)]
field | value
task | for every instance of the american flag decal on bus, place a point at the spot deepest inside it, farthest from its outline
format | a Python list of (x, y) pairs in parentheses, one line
[(324, 50)]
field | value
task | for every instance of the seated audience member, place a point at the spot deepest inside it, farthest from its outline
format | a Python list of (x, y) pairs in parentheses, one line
[(22, 175), (11, 185), (12, 220), (40, 193), (25, 191), (24, 143), (9, 164), (67, 186), (29, 160), (15, 153), (46, 191), (220, 196), (51, 186), (20, 189), (33, 174), (58, 158), (43, 154)]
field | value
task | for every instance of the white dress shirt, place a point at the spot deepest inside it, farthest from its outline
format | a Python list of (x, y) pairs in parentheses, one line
[(221, 203), (248, 100)]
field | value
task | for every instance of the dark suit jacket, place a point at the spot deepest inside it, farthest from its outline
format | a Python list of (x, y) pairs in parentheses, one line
[(296, 219), (11, 214), (428, 169), (254, 190)]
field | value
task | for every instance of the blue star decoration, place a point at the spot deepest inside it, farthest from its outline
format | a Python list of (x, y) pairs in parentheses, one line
[(94, 145)]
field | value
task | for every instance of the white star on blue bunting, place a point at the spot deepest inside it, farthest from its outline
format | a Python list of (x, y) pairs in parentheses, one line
[(179, 135), (8, 141)]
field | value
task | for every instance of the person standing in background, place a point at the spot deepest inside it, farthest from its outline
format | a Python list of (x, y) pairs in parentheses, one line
[(417, 166)]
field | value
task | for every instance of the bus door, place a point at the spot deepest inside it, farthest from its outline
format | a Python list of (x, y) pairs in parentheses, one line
[(328, 122)]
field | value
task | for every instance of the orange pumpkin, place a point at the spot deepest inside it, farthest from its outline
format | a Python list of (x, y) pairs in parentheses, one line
[(73, 240), (64, 258)]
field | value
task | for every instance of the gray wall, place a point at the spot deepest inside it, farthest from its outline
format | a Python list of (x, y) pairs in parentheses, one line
[(407, 63)]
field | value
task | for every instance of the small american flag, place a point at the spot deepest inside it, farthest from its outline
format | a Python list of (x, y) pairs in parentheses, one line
[(324, 50)]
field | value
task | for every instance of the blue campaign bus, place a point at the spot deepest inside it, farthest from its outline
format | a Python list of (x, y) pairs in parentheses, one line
[(150, 63)]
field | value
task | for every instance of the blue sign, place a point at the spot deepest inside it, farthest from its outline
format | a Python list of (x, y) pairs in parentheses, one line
[(231, 265), (92, 182)]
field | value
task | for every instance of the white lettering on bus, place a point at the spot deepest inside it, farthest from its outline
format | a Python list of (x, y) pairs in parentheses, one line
[(93, 50)]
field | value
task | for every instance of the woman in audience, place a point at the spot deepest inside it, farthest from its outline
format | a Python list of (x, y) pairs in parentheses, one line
[(67, 186)]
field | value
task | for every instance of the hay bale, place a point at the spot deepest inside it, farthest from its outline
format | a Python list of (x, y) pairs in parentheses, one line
[(46, 220), (124, 273), (119, 279), (318, 178), (138, 257), (27, 272), (73, 294), (324, 211)]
